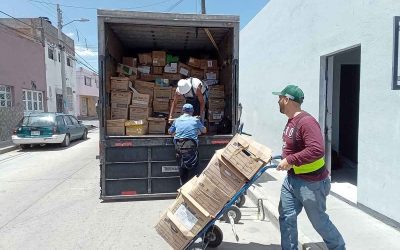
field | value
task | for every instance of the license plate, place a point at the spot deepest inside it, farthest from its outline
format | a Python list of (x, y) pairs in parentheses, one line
[(35, 132)]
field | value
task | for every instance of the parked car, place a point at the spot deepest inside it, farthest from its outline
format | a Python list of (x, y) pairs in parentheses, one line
[(48, 128)]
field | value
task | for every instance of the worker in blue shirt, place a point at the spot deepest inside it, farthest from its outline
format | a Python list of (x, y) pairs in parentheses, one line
[(186, 130)]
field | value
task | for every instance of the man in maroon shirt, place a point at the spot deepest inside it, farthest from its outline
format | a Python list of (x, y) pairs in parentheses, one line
[(307, 183)]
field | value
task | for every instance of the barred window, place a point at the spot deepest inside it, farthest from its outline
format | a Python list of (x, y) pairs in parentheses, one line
[(5, 96), (33, 100)]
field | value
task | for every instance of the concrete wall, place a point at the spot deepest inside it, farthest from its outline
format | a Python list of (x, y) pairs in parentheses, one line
[(284, 43), (22, 67)]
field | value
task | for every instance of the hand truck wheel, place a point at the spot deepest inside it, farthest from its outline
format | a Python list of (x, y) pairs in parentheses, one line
[(240, 201), (234, 212), (213, 237)]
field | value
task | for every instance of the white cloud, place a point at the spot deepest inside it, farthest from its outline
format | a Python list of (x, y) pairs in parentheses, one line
[(84, 52)]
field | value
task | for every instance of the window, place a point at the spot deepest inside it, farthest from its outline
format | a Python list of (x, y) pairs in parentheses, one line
[(60, 121), (70, 99), (41, 120), (88, 81), (69, 62), (59, 57), (33, 100), (5, 96), (68, 120), (74, 120), (50, 53)]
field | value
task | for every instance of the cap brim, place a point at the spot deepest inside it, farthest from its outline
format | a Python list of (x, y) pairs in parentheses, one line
[(277, 93)]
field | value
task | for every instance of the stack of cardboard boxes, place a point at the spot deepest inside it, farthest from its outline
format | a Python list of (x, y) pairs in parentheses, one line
[(143, 91), (203, 197)]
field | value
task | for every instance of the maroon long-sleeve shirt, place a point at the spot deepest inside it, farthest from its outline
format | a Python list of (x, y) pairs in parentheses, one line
[(310, 145)]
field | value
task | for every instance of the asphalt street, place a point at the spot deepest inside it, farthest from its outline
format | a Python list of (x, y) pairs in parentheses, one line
[(50, 200)]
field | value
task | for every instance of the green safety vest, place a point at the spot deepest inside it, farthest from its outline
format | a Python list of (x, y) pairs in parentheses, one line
[(309, 167)]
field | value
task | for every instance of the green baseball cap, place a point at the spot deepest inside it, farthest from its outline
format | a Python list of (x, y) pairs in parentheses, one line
[(293, 92)]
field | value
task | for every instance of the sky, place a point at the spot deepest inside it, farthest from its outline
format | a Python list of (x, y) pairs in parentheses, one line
[(85, 33)]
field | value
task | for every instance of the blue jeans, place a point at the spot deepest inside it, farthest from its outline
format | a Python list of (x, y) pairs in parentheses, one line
[(297, 193)]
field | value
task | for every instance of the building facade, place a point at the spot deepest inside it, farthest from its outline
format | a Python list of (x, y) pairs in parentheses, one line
[(22, 78), (44, 31), (87, 93), (341, 54)]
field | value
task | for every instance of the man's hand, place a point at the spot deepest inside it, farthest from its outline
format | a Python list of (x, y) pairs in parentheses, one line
[(284, 165)]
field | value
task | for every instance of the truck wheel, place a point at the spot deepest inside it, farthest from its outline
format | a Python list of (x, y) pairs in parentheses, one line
[(66, 141), (240, 201), (213, 237), (234, 212)]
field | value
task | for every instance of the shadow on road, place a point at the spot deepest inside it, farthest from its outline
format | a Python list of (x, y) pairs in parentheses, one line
[(53, 147), (241, 246)]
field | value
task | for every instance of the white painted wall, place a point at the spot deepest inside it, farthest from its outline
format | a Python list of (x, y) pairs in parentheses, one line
[(283, 44), (53, 78)]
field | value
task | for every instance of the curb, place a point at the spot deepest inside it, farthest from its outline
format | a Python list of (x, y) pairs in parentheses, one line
[(8, 149), (255, 194)]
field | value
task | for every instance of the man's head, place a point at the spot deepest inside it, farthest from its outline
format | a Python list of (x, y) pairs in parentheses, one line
[(290, 98), (188, 109)]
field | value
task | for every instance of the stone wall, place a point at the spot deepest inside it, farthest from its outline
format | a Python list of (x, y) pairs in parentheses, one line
[(9, 118)]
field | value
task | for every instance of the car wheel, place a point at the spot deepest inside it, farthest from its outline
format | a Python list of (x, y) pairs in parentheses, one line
[(66, 141), (84, 136), (25, 146)]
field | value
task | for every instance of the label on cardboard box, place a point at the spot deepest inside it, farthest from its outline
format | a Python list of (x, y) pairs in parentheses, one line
[(171, 68), (184, 71), (211, 75), (185, 217), (144, 69)]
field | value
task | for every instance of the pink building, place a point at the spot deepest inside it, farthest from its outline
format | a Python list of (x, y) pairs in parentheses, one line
[(22, 78), (87, 92)]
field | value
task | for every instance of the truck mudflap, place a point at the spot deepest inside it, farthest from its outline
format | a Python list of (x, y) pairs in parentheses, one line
[(140, 168)]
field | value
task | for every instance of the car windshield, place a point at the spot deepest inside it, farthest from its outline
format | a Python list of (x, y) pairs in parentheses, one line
[(39, 121)]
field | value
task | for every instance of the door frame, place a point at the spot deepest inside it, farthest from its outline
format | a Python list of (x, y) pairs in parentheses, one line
[(326, 99)]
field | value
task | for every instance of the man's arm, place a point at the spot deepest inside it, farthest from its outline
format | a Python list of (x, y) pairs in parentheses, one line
[(201, 101), (201, 127), (173, 105), (172, 129)]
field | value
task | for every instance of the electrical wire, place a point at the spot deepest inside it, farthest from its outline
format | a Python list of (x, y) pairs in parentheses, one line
[(174, 6), (95, 8)]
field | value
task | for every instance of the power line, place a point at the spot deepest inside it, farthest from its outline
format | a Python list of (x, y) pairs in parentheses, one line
[(174, 5), (95, 8)]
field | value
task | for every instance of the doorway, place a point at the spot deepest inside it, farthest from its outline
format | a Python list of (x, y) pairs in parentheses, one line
[(341, 88), (59, 103)]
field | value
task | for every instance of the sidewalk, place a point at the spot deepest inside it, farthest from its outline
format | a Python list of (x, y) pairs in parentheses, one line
[(359, 230), (7, 146)]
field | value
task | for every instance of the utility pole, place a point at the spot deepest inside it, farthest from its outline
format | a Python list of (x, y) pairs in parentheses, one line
[(203, 6), (62, 51)]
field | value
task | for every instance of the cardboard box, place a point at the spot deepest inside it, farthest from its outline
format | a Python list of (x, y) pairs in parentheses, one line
[(169, 229), (139, 113), (157, 70), (211, 74), (162, 82), (246, 155), (130, 61), (171, 68), (161, 105), (215, 104), (159, 58), (198, 73), (217, 91), (145, 58), (148, 77), (122, 97), (189, 215), (125, 69), (208, 64), (138, 127), (206, 193), (172, 77), (157, 125), (194, 62), (140, 100), (120, 83), (116, 127), (119, 111), (144, 69), (215, 115), (223, 175), (162, 92), (184, 69)]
